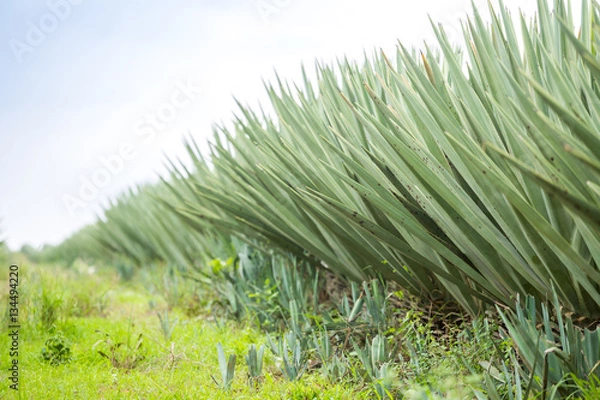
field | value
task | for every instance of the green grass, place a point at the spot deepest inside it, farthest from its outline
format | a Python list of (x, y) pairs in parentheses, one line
[(85, 307), (89, 333), (183, 371)]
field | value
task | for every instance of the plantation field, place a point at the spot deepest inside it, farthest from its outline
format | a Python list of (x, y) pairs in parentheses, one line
[(424, 225)]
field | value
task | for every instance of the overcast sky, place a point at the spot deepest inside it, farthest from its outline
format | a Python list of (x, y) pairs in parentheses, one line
[(90, 86)]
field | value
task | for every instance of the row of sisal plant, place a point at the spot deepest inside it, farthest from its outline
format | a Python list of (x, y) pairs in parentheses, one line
[(137, 228), (469, 170)]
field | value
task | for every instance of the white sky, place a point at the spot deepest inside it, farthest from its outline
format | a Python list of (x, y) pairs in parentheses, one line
[(81, 90)]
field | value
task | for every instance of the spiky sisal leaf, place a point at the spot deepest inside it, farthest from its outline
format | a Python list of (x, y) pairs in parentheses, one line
[(557, 349)]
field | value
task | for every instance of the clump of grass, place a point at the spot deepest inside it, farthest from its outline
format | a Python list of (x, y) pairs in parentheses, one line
[(86, 304), (587, 388), (41, 301), (121, 354)]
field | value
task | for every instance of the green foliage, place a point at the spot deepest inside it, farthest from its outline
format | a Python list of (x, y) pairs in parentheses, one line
[(227, 368), (29, 251), (587, 388), (443, 384), (138, 229), (88, 303), (125, 269), (254, 361), (267, 288), (42, 305), (122, 355), (553, 348), (350, 314), (50, 308), (376, 304), (335, 365), (3, 248), (376, 358), (179, 369), (57, 350), (292, 351), (167, 325)]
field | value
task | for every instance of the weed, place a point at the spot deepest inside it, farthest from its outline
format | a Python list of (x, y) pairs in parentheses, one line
[(587, 389), (57, 350), (122, 355), (86, 304), (50, 307)]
